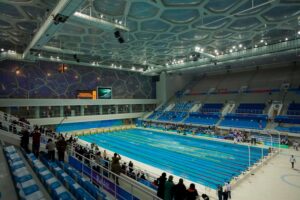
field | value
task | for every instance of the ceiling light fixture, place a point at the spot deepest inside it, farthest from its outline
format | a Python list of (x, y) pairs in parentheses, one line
[(255, 46), (286, 39), (2, 49), (230, 50), (240, 45), (266, 43), (298, 32), (261, 41)]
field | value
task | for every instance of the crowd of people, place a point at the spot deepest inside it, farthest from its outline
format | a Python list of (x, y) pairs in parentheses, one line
[(168, 190)]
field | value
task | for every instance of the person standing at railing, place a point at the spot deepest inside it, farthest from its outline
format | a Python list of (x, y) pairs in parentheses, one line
[(36, 140), (51, 150), (169, 189), (192, 193), (179, 190), (115, 166), (161, 185), (25, 140), (61, 146), (130, 166)]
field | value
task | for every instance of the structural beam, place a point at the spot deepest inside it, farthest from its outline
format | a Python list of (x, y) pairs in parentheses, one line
[(97, 22), (64, 8)]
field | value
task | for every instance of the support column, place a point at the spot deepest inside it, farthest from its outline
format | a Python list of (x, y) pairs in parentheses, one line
[(81, 110), (37, 112), (130, 108), (100, 110), (61, 111), (117, 109)]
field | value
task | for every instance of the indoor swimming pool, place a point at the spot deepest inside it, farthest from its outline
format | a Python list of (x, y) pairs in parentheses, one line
[(206, 162)]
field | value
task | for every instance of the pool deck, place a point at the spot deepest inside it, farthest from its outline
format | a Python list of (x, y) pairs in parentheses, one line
[(274, 181)]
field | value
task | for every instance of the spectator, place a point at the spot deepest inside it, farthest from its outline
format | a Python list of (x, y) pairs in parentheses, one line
[(204, 197), (115, 166), (169, 186), (192, 193), (292, 161), (25, 140), (123, 168), (161, 185), (61, 146), (228, 189), (36, 140), (179, 190), (225, 193), (220, 192), (51, 150), (130, 166)]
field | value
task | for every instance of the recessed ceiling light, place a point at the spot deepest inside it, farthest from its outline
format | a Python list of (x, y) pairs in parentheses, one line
[(298, 32), (266, 43), (255, 46), (233, 47), (230, 50), (261, 41), (286, 39), (2, 49), (240, 45)]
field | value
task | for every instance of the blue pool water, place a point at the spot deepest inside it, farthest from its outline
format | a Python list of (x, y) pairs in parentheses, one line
[(206, 162)]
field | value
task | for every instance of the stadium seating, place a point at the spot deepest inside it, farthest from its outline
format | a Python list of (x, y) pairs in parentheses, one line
[(248, 121), (25, 184), (292, 129), (294, 109), (155, 114), (53, 185), (253, 108), (182, 107), (287, 119), (211, 108), (172, 116), (203, 119)]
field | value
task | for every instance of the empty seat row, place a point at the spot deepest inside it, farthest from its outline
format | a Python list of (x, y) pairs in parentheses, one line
[(25, 183), (53, 185), (86, 184)]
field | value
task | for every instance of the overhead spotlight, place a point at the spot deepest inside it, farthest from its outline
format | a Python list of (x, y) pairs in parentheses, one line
[(261, 41), (2, 49), (266, 43), (286, 39), (298, 32), (121, 40), (255, 46), (117, 34), (59, 18), (240, 45), (230, 50)]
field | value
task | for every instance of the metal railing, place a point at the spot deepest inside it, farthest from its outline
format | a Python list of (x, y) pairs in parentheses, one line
[(103, 173)]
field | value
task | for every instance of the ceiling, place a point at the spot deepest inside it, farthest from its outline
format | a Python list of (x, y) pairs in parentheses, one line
[(160, 31)]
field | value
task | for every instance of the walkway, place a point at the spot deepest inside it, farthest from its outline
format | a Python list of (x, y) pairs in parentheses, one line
[(274, 181)]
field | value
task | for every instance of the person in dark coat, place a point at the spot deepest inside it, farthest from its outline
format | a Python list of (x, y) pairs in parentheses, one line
[(169, 186), (191, 193), (115, 166), (36, 140), (25, 140), (161, 185), (130, 166), (225, 193), (179, 190), (61, 146), (220, 192), (204, 197)]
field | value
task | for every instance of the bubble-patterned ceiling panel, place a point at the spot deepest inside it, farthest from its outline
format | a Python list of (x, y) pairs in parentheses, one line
[(160, 30)]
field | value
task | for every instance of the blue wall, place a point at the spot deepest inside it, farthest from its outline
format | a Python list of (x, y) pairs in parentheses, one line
[(42, 80), (87, 125)]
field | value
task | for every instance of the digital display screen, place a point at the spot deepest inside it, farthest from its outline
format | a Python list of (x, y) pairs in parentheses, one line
[(104, 93)]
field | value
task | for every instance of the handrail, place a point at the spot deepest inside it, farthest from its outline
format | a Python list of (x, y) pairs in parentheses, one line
[(150, 175), (133, 185), (10, 118)]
